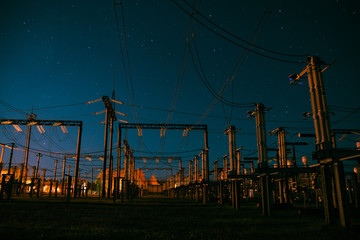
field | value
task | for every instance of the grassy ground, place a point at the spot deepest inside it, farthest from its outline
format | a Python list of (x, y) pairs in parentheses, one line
[(158, 218)]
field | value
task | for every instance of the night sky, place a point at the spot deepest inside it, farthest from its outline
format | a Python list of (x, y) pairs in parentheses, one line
[(58, 55)]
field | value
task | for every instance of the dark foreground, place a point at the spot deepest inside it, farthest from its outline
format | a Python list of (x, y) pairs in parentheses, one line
[(158, 218)]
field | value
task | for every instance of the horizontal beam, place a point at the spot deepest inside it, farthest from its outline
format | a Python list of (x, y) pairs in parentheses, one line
[(345, 131), (157, 158), (162, 126), (289, 170), (156, 169), (297, 143), (39, 122)]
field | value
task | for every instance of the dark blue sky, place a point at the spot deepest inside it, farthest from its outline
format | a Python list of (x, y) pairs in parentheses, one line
[(60, 53)]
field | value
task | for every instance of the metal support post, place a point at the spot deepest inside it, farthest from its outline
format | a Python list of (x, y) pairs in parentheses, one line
[(110, 177), (216, 170), (225, 168), (206, 157), (11, 156), (342, 197), (190, 171), (326, 192), (232, 147), (63, 177), (118, 161), (105, 152), (37, 165), (26, 157), (76, 174)]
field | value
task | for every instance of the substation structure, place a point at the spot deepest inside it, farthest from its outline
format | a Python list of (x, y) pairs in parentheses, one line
[(129, 181), (240, 179), (285, 182), (16, 181)]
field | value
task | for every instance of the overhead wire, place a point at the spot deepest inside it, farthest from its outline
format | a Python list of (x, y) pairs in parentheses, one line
[(182, 68), (183, 64), (237, 66), (236, 43), (243, 40), (125, 59)]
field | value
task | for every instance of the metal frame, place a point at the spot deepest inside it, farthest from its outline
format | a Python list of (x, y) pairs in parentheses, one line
[(32, 122)]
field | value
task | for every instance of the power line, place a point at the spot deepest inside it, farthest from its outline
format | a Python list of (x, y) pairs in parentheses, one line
[(11, 107), (208, 86), (243, 40), (125, 61), (236, 43)]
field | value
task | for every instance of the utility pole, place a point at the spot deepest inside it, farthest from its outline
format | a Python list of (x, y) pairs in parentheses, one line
[(196, 160), (77, 162), (11, 156), (63, 176), (92, 178), (30, 117), (216, 170), (103, 194), (2, 152), (132, 166), (282, 162), (54, 179), (110, 115), (262, 159), (206, 157), (232, 147), (110, 159), (2, 156), (190, 171), (126, 160), (238, 161), (37, 165), (329, 162), (225, 167)]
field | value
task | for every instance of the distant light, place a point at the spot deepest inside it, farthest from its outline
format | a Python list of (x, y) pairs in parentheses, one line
[(6, 122), (57, 124)]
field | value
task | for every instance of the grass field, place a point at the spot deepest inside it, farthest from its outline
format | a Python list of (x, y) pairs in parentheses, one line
[(158, 218)]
